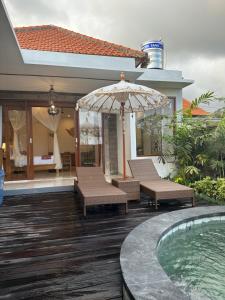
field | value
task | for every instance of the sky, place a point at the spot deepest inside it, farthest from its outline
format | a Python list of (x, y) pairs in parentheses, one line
[(193, 31)]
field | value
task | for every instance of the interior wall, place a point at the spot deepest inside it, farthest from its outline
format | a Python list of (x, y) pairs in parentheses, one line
[(66, 141), (44, 145)]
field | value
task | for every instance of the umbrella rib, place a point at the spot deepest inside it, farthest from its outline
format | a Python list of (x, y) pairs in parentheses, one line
[(147, 101), (130, 105), (103, 103), (139, 102), (96, 101), (112, 104)]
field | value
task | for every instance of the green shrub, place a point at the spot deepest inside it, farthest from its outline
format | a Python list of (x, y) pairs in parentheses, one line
[(205, 186), (221, 189), (197, 145), (179, 180), (213, 189)]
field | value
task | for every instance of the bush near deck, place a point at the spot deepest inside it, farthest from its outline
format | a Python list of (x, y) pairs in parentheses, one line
[(198, 148), (210, 189)]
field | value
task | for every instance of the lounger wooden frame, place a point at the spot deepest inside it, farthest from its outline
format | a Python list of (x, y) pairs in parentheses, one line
[(157, 188), (94, 190)]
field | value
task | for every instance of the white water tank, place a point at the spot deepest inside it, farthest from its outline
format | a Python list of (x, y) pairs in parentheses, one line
[(155, 50)]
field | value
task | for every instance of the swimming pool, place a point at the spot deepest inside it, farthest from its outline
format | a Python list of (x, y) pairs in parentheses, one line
[(181, 277), (193, 256)]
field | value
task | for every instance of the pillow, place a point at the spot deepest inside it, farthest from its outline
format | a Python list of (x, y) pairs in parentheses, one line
[(46, 157)]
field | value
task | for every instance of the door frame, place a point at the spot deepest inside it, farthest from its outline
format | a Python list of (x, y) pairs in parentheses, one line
[(29, 145)]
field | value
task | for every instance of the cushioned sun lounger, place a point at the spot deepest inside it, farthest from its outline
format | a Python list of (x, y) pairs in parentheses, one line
[(94, 190), (157, 188)]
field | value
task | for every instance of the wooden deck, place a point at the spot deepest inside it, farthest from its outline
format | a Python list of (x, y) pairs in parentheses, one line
[(49, 251)]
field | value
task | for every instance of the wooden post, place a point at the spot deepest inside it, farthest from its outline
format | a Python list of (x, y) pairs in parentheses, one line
[(29, 133)]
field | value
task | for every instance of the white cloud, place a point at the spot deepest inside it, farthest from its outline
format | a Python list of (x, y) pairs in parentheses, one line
[(208, 74)]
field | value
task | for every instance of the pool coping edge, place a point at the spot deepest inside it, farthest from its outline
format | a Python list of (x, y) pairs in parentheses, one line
[(143, 276)]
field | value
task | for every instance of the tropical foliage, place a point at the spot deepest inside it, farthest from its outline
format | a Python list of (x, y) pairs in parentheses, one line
[(213, 190), (198, 148)]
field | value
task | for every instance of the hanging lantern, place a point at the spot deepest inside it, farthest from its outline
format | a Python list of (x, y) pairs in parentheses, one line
[(52, 110)]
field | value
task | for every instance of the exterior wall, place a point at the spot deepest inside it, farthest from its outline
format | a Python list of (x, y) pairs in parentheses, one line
[(76, 60)]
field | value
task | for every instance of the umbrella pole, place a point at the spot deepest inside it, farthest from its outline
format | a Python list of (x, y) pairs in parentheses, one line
[(124, 144)]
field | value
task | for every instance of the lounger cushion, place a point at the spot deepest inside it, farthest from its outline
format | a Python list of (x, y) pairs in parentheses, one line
[(165, 189), (143, 169), (90, 176), (95, 190), (153, 185), (106, 194)]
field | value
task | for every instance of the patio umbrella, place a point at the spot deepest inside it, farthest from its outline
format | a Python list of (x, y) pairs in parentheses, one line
[(123, 97)]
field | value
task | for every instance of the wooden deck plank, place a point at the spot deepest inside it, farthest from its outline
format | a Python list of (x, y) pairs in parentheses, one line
[(48, 250)]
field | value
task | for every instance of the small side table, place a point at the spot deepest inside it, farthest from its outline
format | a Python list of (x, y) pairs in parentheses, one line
[(66, 161), (130, 186)]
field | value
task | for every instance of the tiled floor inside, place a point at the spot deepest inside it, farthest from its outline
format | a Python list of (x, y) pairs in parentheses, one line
[(43, 182)]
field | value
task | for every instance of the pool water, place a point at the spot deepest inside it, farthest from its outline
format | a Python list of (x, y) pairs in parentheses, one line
[(193, 256)]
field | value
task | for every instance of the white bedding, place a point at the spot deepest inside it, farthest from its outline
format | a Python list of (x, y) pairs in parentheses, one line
[(21, 161), (38, 160)]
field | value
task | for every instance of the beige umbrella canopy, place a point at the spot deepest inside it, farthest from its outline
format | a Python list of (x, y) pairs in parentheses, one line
[(123, 97)]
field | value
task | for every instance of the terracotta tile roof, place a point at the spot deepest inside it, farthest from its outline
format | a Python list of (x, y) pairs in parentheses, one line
[(57, 39), (195, 112)]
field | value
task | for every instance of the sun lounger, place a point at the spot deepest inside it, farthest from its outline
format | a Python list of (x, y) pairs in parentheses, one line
[(157, 188), (94, 190)]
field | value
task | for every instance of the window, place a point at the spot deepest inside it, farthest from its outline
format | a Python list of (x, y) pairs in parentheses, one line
[(150, 128)]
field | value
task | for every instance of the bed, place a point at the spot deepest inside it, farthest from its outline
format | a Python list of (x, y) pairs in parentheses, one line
[(41, 163), (44, 162)]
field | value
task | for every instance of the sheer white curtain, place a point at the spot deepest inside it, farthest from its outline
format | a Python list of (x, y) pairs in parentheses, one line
[(52, 123), (90, 128), (18, 120)]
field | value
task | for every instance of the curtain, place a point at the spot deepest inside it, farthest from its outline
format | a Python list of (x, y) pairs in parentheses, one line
[(90, 128), (18, 121), (52, 123)]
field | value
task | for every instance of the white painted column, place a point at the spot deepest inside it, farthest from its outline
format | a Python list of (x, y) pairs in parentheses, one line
[(128, 137), (133, 142)]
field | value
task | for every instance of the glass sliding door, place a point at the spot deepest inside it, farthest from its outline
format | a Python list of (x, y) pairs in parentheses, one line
[(110, 144), (18, 141), (90, 144)]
